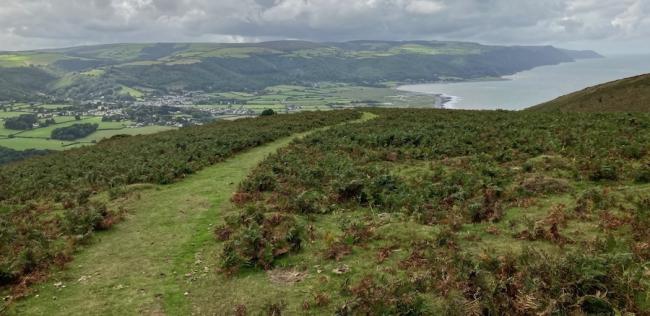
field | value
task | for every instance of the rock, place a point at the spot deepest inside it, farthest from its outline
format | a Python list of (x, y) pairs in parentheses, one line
[(341, 269)]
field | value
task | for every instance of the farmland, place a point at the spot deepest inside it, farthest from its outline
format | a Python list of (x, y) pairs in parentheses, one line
[(325, 96), (40, 138), (226, 105)]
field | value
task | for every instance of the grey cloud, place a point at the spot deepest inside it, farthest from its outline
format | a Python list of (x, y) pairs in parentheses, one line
[(39, 23)]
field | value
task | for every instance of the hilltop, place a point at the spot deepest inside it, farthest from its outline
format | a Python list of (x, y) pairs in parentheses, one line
[(625, 95), (381, 212), (131, 70)]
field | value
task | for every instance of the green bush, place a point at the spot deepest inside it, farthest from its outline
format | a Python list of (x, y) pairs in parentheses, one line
[(605, 172), (258, 239), (643, 174), (267, 112)]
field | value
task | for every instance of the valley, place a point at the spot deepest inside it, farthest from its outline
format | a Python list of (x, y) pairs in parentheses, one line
[(151, 114)]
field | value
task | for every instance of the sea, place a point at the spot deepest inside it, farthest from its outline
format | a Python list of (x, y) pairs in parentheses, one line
[(535, 86)]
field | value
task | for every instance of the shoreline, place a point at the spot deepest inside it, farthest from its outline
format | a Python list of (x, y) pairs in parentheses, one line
[(443, 100), (446, 101)]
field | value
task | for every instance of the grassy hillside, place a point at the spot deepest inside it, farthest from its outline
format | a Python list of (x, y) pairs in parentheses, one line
[(46, 204), (114, 70), (412, 212), (625, 95)]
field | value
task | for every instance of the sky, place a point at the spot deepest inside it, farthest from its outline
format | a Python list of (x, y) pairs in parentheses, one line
[(608, 26)]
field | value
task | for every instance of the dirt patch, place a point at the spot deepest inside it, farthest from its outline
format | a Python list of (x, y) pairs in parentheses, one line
[(286, 276), (545, 185)]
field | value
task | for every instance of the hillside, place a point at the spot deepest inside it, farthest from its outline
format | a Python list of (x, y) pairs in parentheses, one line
[(128, 70), (385, 212), (625, 95)]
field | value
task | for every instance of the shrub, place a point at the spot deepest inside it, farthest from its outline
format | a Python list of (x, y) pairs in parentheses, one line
[(259, 182), (21, 122), (605, 172), (308, 202), (257, 239), (267, 112), (643, 174)]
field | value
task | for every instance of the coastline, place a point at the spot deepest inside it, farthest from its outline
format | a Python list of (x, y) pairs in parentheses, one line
[(443, 100), (530, 87)]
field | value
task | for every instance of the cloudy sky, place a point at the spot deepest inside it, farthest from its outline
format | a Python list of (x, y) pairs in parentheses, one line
[(610, 26)]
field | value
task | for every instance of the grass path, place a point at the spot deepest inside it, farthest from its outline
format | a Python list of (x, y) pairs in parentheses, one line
[(146, 264)]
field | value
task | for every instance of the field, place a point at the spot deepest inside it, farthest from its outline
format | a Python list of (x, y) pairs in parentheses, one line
[(282, 99), (39, 138), (326, 96), (404, 212)]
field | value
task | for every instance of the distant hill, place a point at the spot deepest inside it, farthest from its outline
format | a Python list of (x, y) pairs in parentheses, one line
[(626, 95), (128, 70)]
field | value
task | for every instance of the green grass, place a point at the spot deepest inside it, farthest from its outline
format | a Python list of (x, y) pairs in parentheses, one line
[(34, 143), (6, 132), (102, 134), (46, 132), (54, 106), (132, 92), (8, 114), (39, 138), (94, 73), (142, 265), (11, 60), (26, 59), (326, 96)]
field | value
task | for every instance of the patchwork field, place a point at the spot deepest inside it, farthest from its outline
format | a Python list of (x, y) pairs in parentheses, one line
[(325, 97), (40, 138)]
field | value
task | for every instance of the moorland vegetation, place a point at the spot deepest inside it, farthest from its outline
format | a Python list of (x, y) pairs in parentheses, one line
[(50, 204), (436, 212)]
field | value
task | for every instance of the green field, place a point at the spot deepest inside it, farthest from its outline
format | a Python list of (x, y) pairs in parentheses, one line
[(39, 138), (326, 96), (36, 143), (54, 106), (281, 98), (7, 114), (102, 134)]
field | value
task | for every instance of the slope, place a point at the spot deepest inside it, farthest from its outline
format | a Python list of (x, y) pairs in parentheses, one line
[(94, 71), (143, 265), (625, 95)]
